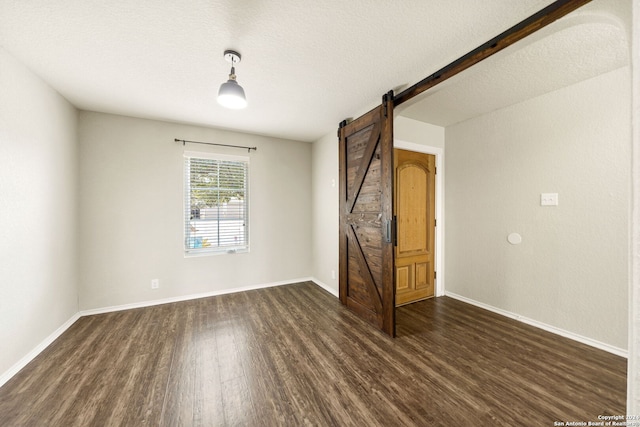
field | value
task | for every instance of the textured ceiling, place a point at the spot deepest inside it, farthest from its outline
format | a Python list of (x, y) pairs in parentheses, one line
[(306, 64), (586, 44)]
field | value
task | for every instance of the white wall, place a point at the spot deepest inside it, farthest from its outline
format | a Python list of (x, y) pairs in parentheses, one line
[(131, 228), (417, 132), (633, 366), (571, 270), (325, 216), (38, 214)]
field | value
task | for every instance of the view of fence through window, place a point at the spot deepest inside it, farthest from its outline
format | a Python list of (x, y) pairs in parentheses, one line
[(216, 204)]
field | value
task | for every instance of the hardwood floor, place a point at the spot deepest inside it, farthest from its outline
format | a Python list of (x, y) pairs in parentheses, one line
[(293, 356)]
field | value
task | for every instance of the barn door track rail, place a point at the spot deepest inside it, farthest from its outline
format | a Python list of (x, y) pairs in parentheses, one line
[(530, 25)]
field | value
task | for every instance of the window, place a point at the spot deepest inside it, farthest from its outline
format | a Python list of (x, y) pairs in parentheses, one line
[(216, 203)]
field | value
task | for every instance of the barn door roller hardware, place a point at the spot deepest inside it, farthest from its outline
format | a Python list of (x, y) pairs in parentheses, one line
[(385, 99)]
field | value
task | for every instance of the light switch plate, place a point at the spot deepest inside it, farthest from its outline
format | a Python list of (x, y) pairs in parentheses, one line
[(549, 199)]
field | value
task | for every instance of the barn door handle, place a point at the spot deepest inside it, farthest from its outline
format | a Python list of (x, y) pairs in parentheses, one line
[(389, 230)]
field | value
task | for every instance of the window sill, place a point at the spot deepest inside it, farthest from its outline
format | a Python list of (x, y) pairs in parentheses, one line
[(201, 253)]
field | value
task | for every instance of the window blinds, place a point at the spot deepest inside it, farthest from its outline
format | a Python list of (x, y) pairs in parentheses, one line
[(216, 203)]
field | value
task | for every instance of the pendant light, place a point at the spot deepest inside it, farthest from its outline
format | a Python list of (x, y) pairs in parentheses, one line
[(231, 95)]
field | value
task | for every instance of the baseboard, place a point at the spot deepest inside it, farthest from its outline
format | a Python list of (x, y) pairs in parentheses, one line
[(326, 287), (151, 303), (6, 376), (576, 337)]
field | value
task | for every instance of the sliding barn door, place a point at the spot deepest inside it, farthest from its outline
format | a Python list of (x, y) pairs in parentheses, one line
[(366, 216)]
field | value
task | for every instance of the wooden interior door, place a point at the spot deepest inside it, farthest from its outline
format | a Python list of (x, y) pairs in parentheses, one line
[(414, 207), (366, 215)]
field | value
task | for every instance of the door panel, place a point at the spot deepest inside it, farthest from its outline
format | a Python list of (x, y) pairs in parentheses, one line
[(366, 205), (415, 211)]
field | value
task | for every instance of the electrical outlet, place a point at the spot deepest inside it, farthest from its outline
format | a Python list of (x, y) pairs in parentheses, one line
[(155, 283), (333, 274)]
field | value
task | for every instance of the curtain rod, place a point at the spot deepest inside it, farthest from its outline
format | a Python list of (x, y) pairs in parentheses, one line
[(184, 141)]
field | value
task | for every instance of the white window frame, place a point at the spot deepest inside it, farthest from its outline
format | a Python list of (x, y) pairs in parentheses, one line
[(189, 247)]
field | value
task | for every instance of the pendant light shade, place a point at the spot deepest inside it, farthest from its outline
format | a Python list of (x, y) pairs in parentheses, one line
[(231, 95)]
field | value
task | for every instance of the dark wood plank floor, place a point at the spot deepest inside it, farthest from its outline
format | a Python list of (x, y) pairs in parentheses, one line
[(293, 356)]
